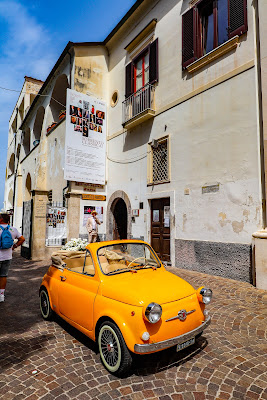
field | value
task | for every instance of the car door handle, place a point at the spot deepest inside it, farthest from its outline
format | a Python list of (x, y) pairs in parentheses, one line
[(63, 278)]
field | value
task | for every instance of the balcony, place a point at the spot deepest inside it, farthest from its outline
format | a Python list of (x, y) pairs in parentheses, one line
[(138, 107)]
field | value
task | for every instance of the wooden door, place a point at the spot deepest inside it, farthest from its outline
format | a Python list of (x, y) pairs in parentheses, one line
[(160, 227)]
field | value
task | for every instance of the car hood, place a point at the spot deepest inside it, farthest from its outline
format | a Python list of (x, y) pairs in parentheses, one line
[(145, 286)]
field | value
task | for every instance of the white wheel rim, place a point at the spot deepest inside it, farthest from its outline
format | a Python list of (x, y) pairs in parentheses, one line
[(44, 304), (110, 348)]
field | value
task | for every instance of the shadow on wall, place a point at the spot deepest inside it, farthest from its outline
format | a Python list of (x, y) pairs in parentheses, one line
[(138, 136)]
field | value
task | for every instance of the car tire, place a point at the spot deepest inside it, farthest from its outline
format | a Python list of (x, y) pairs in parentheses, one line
[(45, 307), (114, 353)]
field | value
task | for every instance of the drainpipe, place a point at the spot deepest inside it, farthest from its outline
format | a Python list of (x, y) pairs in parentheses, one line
[(259, 78), (70, 66), (15, 169)]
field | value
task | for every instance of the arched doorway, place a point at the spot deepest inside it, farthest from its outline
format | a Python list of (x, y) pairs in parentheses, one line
[(119, 211), (119, 222), (28, 188)]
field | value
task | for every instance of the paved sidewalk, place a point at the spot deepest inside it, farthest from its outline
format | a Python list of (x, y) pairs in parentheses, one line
[(228, 362)]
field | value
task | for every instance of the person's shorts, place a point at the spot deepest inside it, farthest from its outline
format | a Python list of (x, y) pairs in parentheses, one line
[(4, 267)]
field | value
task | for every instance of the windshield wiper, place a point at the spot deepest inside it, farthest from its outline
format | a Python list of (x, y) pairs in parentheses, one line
[(142, 266), (122, 270)]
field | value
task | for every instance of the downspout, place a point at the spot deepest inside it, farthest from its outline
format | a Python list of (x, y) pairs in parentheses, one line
[(259, 79), (15, 169), (70, 67)]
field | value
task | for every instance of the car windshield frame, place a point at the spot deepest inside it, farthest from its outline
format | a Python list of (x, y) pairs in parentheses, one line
[(123, 270)]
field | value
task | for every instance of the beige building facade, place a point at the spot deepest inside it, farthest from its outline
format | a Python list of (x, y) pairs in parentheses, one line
[(184, 82)]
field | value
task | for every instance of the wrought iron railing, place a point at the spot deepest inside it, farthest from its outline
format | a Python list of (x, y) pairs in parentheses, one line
[(138, 102)]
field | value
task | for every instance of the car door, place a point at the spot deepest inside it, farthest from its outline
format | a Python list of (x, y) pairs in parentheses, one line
[(77, 291)]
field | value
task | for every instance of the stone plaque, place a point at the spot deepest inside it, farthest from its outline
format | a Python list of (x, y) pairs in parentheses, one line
[(40, 208), (210, 188)]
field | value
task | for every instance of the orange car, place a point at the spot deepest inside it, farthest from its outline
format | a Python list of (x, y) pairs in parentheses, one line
[(121, 296)]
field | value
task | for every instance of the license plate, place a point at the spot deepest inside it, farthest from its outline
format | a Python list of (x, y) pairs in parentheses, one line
[(182, 346)]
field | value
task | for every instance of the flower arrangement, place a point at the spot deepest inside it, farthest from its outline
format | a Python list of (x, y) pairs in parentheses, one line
[(75, 245)]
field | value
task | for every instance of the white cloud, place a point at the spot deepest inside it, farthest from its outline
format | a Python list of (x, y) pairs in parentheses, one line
[(26, 48)]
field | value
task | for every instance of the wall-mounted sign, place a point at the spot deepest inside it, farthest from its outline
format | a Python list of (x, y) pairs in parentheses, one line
[(85, 145), (91, 185), (40, 208), (56, 224), (210, 189), (87, 210), (97, 197), (135, 213)]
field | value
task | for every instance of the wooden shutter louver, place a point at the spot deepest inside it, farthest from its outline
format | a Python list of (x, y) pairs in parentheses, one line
[(188, 37), (237, 17), (153, 62), (129, 80)]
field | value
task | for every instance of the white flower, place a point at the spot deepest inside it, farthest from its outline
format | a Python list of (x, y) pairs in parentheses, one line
[(75, 245)]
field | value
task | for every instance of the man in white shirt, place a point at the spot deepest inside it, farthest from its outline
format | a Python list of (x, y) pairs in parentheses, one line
[(92, 227), (6, 254)]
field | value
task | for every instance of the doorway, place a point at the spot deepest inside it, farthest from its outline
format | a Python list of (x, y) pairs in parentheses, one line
[(160, 227), (120, 219)]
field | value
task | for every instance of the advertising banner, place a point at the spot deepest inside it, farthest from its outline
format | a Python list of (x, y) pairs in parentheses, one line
[(56, 225), (85, 146)]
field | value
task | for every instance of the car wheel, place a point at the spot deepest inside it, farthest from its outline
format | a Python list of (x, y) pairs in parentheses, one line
[(45, 307), (113, 350)]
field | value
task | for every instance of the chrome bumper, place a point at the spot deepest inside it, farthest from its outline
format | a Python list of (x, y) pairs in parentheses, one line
[(150, 347)]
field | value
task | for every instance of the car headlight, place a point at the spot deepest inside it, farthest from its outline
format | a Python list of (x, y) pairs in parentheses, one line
[(206, 295), (153, 312)]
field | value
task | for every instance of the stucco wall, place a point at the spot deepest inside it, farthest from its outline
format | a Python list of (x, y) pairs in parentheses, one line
[(90, 73), (55, 161), (211, 118)]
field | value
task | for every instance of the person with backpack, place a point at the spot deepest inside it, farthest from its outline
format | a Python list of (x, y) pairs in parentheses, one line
[(7, 236)]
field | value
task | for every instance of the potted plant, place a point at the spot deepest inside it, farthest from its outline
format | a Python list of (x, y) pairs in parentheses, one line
[(48, 129), (53, 124), (62, 114)]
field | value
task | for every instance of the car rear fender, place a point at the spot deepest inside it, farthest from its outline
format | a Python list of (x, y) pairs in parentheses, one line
[(51, 294)]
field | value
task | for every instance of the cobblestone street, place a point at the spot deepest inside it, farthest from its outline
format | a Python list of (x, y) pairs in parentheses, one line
[(228, 362)]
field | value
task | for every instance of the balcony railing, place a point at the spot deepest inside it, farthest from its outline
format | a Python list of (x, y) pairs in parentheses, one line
[(138, 103)]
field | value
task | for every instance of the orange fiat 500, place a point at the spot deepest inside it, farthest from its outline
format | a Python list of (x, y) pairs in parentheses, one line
[(121, 296)]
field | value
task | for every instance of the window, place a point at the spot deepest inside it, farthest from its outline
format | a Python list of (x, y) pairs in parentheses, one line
[(209, 24), (50, 196), (159, 161), (142, 70)]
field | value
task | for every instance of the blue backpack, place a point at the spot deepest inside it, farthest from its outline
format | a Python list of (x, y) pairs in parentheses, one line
[(6, 240)]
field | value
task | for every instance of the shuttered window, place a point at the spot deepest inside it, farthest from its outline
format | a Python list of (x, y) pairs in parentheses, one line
[(142, 70), (189, 37), (238, 17), (209, 24)]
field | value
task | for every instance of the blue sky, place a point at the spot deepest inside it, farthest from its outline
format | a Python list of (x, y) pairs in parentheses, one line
[(33, 35)]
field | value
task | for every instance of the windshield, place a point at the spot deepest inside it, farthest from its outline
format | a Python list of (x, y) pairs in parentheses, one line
[(126, 257)]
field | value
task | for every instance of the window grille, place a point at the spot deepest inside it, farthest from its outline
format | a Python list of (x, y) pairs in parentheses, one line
[(160, 162), (50, 196)]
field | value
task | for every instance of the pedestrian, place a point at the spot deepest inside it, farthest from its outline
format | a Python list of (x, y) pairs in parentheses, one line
[(92, 227), (7, 236)]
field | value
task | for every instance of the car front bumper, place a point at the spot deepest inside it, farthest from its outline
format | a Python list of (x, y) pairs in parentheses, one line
[(151, 347)]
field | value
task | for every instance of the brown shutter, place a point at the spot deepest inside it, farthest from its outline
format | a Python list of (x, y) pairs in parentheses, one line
[(189, 37), (238, 22), (129, 80), (153, 62)]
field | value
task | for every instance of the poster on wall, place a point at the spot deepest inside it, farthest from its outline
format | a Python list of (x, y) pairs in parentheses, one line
[(87, 211), (56, 224), (85, 143)]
